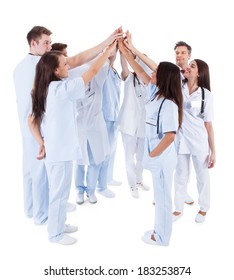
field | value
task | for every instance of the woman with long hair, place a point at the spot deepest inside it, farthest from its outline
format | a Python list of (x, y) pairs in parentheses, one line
[(53, 110)]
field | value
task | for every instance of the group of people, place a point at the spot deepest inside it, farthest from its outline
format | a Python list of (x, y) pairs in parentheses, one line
[(69, 110)]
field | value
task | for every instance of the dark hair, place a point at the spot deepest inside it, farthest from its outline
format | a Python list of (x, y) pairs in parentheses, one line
[(204, 74), (183, 44), (44, 75), (58, 46), (169, 84), (36, 32)]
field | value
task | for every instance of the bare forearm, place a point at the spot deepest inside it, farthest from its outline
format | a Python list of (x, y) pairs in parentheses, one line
[(35, 130), (163, 145), (137, 68), (89, 54), (148, 61), (210, 132), (124, 65), (96, 66), (85, 56)]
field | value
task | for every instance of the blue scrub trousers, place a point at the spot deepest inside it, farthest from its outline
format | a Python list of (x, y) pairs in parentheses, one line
[(107, 167), (162, 176), (35, 183), (91, 175)]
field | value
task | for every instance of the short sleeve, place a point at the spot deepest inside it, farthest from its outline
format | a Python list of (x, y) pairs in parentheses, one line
[(169, 117), (72, 89)]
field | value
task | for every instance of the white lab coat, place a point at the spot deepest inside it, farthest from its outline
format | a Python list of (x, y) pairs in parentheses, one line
[(192, 137), (90, 120), (131, 118)]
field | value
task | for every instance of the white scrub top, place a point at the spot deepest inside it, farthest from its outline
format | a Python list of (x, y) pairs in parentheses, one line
[(193, 137), (131, 118), (90, 120), (59, 122), (24, 74), (111, 96), (168, 122)]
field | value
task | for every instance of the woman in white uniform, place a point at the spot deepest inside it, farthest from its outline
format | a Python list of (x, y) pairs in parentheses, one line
[(131, 124), (195, 139), (163, 117), (53, 108)]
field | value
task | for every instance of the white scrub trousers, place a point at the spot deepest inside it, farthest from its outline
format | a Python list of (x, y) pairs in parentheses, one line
[(134, 152), (182, 177)]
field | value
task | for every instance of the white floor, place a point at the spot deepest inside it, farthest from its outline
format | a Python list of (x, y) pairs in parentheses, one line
[(110, 232)]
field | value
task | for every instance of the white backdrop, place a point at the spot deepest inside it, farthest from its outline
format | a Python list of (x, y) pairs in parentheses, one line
[(110, 231)]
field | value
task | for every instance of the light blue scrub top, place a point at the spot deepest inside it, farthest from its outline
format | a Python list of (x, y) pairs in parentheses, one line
[(59, 123), (23, 80), (168, 121), (111, 96)]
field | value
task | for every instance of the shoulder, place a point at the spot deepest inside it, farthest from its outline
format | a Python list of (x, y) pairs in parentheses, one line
[(169, 105)]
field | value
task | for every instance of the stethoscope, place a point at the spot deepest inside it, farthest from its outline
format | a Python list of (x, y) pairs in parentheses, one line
[(159, 110), (137, 82)]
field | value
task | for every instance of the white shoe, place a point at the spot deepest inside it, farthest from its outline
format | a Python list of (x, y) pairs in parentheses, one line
[(143, 186), (67, 240), (70, 228), (71, 207), (114, 183), (107, 193), (147, 238), (189, 200), (176, 217), (134, 192), (92, 198), (200, 218), (80, 198)]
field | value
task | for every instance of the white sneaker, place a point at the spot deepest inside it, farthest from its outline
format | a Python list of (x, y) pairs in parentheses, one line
[(200, 218), (80, 198), (147, 238), (67, 240), (143, 186), (114, 183), (92, 198), (107, 193), (134, 192), (70, 228), (71, 207), (189, 200)]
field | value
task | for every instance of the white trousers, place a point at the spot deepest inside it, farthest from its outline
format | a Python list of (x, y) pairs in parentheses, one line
[(181, 179), (60, 177), (134, 152)]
